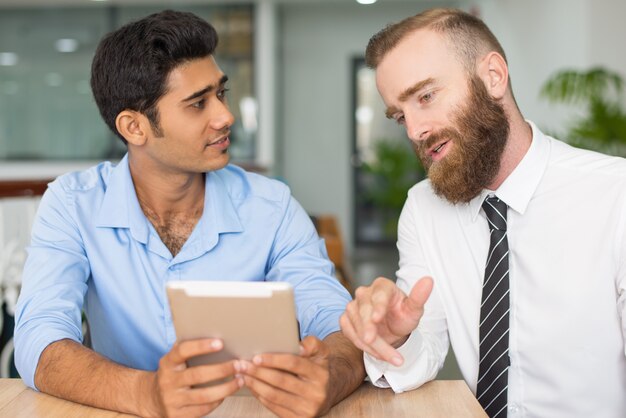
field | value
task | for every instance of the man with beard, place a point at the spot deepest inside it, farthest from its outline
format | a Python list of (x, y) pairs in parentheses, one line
[(514, 249)]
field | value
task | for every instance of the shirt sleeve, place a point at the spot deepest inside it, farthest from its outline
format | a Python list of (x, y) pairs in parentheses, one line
[(299, 257), (426, 348), (54, 283)]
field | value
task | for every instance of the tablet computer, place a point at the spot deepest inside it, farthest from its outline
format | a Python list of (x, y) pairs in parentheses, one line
[(249, 317)]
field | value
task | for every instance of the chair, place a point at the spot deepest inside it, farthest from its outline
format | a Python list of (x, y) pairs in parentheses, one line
[(328, 229), (16, 215)]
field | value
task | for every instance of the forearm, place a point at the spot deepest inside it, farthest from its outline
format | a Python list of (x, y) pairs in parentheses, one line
[(71, 371), (346, 367)]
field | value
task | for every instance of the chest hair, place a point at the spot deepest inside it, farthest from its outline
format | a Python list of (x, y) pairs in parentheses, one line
[(174, 230)]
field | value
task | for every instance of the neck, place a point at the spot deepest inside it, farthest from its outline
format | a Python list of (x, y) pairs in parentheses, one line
[(518, 143), (166, 193)]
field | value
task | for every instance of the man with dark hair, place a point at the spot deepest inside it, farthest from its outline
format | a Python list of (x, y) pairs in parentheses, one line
[(108, 239), (514, 249)]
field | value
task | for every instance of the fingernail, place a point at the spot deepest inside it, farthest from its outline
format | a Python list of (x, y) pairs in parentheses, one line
[(237, 366), (216, 344), (257, 360), (396, 360), (301, 350), (243, 365), (240, 381)]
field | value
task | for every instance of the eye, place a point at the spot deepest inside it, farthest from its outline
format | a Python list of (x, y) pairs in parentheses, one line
[(221, 94), (200, 104), (427, 97), (399, 119)]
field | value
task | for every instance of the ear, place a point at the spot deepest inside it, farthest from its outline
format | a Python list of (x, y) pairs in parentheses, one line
[(132, 125), (494, 72)]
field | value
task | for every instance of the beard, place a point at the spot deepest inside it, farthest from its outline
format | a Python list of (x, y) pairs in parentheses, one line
[(479, 133)]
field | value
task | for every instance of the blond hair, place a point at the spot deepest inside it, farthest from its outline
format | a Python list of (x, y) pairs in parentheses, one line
[(469, 37)]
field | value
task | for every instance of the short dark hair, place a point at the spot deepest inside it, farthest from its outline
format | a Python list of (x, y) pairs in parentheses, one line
[(132, 64), (467, 34)]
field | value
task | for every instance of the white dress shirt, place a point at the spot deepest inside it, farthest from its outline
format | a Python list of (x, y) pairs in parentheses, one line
[(567, 239)]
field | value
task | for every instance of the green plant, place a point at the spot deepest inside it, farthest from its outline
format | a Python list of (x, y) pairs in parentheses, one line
[(601, 93), (392, 172)]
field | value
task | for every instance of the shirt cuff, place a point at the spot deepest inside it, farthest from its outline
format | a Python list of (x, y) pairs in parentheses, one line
[(385, 375), (29, 345)]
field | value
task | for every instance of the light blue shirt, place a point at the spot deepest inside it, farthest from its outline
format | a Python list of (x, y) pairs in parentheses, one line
[(93, 249)]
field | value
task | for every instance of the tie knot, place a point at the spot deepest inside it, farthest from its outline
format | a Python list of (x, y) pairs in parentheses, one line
[(495, 209)]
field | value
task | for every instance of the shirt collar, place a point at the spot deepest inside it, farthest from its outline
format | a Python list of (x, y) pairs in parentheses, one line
[(120, 207), (219, 215), (519, 187)]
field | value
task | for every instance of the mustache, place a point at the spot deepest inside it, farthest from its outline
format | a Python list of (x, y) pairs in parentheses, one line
[(224, 132), (422, 147)]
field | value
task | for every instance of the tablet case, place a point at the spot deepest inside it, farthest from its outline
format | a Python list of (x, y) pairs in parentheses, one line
[(250, 317)]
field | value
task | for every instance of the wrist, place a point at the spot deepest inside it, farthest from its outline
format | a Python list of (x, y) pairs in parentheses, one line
[(401, 341), (148, 402)]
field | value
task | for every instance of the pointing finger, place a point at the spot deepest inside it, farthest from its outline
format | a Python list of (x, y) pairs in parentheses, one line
[(419, 294)]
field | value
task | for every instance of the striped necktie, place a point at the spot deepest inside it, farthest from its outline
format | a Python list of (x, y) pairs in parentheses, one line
[(491, 389)]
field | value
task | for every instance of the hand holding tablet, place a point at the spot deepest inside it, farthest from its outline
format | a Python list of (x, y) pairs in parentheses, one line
[(249, 317)]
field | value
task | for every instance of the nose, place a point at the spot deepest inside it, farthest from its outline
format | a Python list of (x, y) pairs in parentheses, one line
[(417, 128), (222, 117)]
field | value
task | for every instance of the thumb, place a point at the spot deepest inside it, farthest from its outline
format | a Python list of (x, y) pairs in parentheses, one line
[(419, 294), (310, 346)]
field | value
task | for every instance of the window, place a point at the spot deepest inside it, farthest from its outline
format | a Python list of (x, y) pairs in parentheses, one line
[(385, 167), (47, 111)]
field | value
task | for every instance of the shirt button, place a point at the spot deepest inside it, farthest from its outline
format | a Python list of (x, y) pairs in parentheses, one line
[(514, 408)]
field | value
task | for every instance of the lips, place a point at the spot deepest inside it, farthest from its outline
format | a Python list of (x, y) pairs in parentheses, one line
[(220, 141), (437, 148)]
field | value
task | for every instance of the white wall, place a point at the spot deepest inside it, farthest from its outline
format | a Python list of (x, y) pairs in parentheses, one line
[(317, 44), (541, 37), (607, 34)]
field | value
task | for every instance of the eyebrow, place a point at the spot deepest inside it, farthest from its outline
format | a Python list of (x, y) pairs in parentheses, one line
[(408, 93), (206, 90), (415, 88)]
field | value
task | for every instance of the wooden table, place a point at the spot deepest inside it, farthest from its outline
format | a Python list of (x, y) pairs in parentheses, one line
[(440, 398)]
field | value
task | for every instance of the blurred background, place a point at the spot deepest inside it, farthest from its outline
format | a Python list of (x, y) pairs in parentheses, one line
[(307, 109)]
